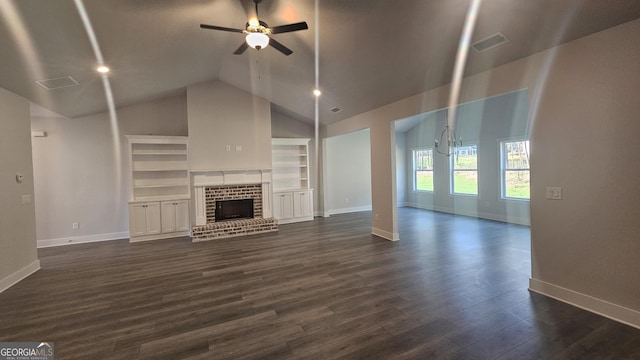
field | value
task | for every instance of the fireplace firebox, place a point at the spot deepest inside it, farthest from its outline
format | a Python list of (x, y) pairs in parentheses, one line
[(234, 209)]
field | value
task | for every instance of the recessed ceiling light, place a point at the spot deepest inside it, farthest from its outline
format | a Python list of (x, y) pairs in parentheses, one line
[(103, 69), (317, 92)]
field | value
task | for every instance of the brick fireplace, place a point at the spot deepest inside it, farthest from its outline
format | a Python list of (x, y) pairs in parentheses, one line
[(212, 187)]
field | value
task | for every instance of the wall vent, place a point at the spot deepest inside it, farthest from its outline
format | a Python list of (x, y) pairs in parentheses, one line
[(57, 83), (490, 42), (335, 109)]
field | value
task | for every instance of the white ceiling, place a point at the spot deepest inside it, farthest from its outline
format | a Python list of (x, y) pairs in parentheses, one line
[(371, 52)]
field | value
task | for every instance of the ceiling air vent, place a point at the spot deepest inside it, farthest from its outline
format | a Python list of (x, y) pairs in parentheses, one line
[(335, 109), (490, 42), (57, 83)]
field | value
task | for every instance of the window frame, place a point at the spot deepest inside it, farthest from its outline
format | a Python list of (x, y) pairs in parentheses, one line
[(503, 168), (414, 169), (452, 171)]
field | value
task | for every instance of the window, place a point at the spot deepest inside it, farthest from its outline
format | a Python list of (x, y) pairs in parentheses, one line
[(423, 170), (515, 169), (464, 170)]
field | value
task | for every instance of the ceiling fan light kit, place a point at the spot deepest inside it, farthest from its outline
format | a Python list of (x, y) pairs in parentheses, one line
[(257, 40), (258, 33)]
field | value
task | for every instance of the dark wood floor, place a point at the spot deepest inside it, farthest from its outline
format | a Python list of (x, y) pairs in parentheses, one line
[(452, 288)]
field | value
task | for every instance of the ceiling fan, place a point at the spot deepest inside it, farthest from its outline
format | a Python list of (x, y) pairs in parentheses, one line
[(258, 33)]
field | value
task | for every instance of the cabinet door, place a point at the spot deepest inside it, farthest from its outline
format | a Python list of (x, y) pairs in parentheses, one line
[(144, 219), (287, 205), (182, 215), (302, 204), (153, 218), (168, 216), (282, 206), (137, 220)]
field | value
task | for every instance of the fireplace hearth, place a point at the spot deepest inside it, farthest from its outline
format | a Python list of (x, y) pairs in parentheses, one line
[(211, 187)]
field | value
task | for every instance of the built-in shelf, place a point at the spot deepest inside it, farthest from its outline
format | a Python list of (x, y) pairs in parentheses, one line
[(292, 196), (159, 168), (160, 153)]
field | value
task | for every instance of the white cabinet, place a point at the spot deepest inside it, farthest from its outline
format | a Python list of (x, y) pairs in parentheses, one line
[(283, 205), (144, 219), (175, 216), (160, 187), (303, 204), (292, 197)]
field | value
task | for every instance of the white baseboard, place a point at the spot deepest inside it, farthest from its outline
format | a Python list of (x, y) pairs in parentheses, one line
[(385, 234), (19, 275), (481, 215), (598, 306), (326, 214), (349, 210), (318, 213), (82, 239)]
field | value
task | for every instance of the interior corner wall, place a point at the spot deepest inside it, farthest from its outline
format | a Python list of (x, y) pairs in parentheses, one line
[(348, 169), (229, 128), (82, 174), (18, 252), (401, 167)]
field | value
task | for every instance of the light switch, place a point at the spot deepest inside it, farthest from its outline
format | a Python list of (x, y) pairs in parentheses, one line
[(238, 147), (26, 198), (228, 147), (554, 193)]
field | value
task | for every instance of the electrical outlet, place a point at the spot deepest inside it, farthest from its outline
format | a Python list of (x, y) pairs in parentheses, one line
[(75, 226), (26, 199), (554, 193), (238, 147), (228, 148), (377, 216), (346, 200)]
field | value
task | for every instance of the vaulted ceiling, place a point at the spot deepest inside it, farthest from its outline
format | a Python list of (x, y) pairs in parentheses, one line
[(370, 52)]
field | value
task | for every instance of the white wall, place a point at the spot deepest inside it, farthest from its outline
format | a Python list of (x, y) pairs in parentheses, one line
[(402, 164), (348, 173), (81, 177), (221, 115), (484, 123), (18, 254), (582, 95)]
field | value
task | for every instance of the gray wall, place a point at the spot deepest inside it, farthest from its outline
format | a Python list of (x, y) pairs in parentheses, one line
[(585, 140), (484, 123), (583, 94), (80, 176), (18, 255), (219, 115), (402, 163), (348, 173)]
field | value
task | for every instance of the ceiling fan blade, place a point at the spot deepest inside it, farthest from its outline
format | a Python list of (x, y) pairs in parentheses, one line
[(213, 27), (241, 48), (290, 27), (283, 49)]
